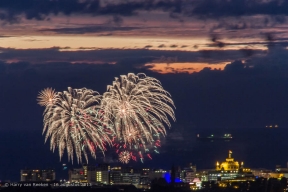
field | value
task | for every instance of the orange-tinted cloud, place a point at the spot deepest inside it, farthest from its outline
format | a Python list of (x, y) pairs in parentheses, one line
[(183, 67)]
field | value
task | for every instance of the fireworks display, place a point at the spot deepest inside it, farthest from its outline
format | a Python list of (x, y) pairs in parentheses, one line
[(139, 107), (130, 116), (74, 123), (46, 97), (124, 157)]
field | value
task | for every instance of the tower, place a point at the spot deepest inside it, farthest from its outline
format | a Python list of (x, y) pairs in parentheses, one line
[(229, 164), (230, 154)]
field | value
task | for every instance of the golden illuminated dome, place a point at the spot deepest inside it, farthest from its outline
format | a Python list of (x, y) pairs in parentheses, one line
[(229, 164)]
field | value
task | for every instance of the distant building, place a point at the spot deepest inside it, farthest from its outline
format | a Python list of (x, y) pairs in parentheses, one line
[(278, 173), (157, 173), (144, 180), (188, 174), (203, 174), (77, 176), (28, 175), (103, 167), (85, 169), (145, 171), (115, 176), (230, 171), (261, 172), (91, 174), (102, 177), (127, 170), (130, 178), (280, 169), (48, 175)]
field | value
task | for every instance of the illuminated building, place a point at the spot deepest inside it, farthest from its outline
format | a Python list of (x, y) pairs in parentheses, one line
[(261, 172), (144, 180), (48, 175), (278, 173), (102, 177), (124, 175), (145, 171), (116, 168), (130, 178), (102, 173), (77, 176), (91, 174), (127, 170), (230, 171), (85, 169), (280, 169), (37, 175), (203, 174), (115, 176), (195, 184), (144, 183), (188, 174), (158, 173)]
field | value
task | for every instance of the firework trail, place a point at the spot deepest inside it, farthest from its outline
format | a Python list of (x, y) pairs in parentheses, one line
[(139, 108), (46, 97), (76, 124)]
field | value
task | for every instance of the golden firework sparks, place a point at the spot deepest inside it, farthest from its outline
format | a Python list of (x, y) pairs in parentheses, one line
[(124, 157), (46, 97)]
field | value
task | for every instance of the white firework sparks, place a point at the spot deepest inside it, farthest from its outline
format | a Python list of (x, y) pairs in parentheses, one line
[(131, 135), (137, 102), (75, 123), (124, 157), (46, 97)]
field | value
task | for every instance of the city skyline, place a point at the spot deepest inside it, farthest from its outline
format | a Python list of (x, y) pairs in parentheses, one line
[(105, 173)]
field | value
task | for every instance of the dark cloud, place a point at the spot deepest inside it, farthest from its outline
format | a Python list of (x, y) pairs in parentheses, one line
[(161, 46), (177, 16), (220, 8), (238, 25), (89, 29), (117, 20), (216, 41), (114, 55), (276, 58), (106, 34), (148, 46), (235, 66), (40, 10), (5, 36)]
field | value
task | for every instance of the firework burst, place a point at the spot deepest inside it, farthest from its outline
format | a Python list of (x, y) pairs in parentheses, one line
[(124, 157), (76, 124), (139, 107), (46, 97)]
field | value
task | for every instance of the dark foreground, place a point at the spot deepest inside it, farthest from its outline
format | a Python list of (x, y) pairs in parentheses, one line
[(160, 185)]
